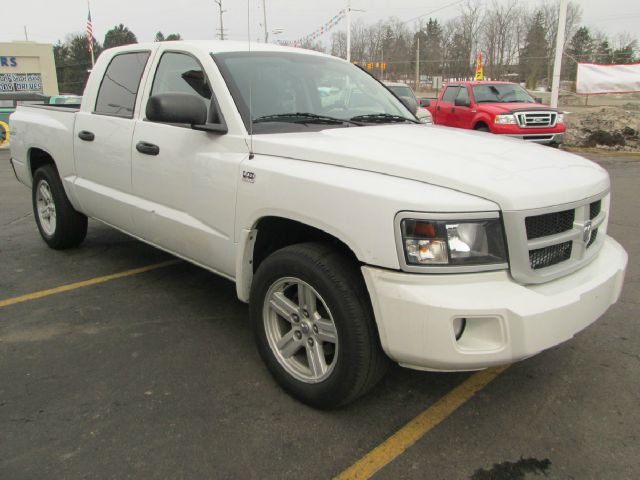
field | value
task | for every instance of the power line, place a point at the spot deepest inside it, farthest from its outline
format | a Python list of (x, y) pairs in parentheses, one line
[(434, 11)]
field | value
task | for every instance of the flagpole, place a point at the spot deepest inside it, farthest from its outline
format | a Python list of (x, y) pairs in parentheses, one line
[(90, 37)]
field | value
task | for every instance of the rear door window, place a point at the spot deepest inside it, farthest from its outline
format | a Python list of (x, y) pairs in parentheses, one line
[(463, 94), (120, 84), (450, 94)]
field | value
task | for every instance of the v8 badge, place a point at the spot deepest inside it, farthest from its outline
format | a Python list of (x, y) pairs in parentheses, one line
[(248, 176)]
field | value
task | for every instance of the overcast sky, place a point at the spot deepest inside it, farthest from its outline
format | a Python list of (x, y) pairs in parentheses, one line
[(50, 20)]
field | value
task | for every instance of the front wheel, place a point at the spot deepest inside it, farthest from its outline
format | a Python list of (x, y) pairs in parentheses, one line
[(314, 325), (60, 225)]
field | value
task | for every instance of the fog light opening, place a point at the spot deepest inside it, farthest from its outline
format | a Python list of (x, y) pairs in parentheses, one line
[(459, 324)]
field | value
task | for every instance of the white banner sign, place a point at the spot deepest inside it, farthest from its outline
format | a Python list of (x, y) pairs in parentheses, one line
[(595, 79)]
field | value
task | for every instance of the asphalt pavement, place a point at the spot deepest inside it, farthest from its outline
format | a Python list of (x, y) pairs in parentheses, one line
[(155, 376)]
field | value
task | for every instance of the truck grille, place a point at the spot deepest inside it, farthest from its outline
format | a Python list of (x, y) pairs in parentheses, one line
[(549, 224), (537, 119), (545, 257), (548, 243)]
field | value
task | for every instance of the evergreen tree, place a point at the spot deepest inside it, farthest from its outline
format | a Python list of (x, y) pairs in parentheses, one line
[(580, 49), (626, 54), (604, 53), (119, 35), (171, 37), (73, 62), (533, 57), (433, 48)]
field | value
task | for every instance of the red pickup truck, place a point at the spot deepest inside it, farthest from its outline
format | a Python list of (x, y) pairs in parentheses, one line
[(497, 107)]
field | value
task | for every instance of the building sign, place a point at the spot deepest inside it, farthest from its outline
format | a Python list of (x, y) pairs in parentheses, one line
[(20, 83), (8, 62)]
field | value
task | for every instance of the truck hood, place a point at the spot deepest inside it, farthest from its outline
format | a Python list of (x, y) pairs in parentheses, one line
[(512, 173), (498, 108)]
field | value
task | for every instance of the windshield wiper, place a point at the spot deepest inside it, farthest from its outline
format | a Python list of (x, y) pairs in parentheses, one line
[(382, 118), (302, 117)]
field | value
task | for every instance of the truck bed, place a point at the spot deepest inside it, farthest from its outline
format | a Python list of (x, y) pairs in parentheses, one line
[(49, 128)]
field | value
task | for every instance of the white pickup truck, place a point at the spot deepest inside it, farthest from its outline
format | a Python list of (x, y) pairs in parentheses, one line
[(356, 234)]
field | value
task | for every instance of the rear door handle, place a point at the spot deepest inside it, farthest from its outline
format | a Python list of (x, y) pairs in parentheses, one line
[(438, 108), (147, 148), (86, 136), (453, 110)]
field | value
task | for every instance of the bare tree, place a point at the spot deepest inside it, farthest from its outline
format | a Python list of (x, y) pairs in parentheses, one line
[(499, 36)]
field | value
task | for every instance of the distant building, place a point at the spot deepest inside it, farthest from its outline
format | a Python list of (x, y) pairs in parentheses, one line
[(27, 74), (27, 67)]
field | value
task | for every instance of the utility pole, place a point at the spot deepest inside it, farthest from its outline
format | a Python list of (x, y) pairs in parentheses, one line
[(557, 65), (349, 31), (349, 10), (26, 36), (266, 32), (417, 61), (219, 3)]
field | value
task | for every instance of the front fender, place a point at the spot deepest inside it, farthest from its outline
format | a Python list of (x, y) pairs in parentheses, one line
[(356, 207)]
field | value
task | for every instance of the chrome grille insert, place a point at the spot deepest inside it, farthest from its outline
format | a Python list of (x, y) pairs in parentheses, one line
[(594, 237), (539, 119)]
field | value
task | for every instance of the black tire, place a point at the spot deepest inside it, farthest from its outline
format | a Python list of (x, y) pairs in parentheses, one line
[(360, 362), (70, 227), (482, 128)]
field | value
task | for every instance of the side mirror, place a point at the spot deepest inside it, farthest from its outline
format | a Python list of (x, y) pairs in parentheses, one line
[(538, 100), (410, 103), (185, 108), (425, 102), (176, 108), (460, 102)]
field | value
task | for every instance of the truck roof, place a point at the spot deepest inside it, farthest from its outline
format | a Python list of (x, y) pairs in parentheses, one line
[(480, 82), (218, 46)]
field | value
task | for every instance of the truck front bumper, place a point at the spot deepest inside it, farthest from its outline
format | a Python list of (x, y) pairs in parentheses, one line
[(543, 138), (505, 321)]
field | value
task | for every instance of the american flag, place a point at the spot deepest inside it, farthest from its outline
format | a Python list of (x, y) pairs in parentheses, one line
[(90, 31)]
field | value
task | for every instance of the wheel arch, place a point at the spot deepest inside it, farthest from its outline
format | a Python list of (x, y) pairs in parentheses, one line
[(271, 233), (481, 122), (37, 157)]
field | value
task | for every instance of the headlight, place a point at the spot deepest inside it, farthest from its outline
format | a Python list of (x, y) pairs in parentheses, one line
[(453, 243), (505, 119), (560, 118), (426, 120)]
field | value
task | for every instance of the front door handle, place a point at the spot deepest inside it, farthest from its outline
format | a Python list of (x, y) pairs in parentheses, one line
[(147, 148), (438, 108), (453, 110), (86, 136)]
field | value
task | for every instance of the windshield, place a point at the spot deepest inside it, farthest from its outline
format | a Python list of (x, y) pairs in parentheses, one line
[(290, 91), (501, 93)]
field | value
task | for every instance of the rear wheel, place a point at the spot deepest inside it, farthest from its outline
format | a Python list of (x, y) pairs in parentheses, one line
[(482, 128), (60, 225), (314, 325)]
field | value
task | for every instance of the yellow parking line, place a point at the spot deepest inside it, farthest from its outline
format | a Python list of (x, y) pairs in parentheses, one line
[(85, 283), (396, 444)]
